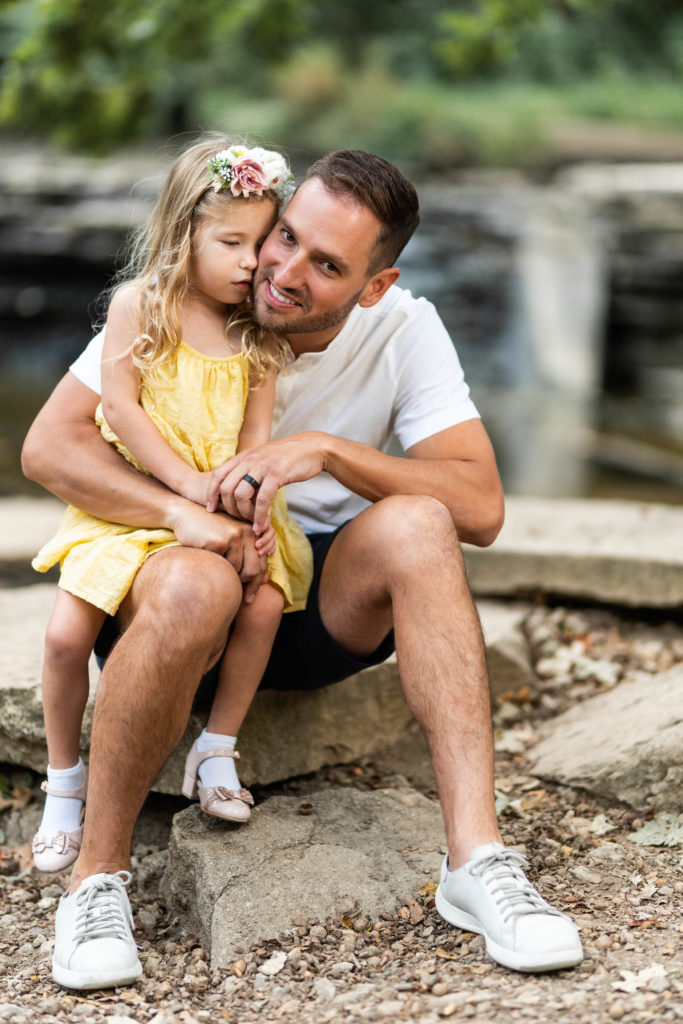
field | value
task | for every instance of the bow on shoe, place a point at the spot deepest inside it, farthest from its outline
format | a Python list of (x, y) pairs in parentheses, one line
[(233, 794), (59, 843)]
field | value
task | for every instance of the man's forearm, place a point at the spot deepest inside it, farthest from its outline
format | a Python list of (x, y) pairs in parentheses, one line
[(469, 490), (100, 481), (65, 452)]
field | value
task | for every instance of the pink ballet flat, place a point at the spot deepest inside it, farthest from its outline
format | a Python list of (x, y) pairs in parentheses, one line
[(56, 853), (229, 804)]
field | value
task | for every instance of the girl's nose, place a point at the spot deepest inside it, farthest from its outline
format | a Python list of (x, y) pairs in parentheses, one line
[(249, 260)]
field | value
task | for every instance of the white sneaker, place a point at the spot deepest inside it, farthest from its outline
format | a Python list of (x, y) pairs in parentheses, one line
[(491, 895), (94, 945)]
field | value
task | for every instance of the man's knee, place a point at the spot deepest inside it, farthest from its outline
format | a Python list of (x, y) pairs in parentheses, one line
[(413, 526), (191, 592)]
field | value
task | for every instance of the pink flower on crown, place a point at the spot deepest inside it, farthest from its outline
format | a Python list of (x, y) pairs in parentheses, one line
[(248, 177)]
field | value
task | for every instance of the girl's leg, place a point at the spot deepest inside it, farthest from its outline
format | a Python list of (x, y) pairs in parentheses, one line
[(71, 633), (242, 668)]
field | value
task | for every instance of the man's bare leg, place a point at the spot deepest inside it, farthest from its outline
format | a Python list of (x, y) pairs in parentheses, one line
[(399, 563), (176, 615)]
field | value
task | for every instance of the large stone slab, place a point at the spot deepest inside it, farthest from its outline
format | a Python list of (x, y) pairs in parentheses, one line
[(625, 745), (620, 552), (285, 734), (507, 651), (237, 886), (24, 612), (25, 524)]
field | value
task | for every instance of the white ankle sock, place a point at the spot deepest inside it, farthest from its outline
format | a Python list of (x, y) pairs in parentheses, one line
[(217, 771), (62, 814)]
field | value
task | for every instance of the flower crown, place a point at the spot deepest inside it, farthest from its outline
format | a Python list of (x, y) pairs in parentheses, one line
[(251, 172)]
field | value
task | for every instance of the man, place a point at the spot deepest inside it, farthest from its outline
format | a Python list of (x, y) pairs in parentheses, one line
[(369, 361)]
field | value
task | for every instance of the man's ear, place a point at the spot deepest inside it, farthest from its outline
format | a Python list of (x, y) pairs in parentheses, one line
[(378, 285)]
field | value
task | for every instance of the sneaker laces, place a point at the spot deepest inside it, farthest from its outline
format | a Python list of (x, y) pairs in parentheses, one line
[(514, 895), (101, 913)]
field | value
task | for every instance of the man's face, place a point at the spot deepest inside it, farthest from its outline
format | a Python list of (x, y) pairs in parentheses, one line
[(313, 267)]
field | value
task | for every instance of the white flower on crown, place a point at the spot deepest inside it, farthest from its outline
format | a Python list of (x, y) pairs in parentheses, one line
[(251, 172)]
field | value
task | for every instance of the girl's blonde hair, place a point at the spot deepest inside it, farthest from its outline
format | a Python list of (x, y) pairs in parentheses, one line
[(159, 265)]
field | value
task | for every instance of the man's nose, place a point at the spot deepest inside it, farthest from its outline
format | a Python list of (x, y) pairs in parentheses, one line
[(289, 271)]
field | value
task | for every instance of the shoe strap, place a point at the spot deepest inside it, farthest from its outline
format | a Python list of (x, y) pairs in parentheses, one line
[(67, 794), (204, 755)]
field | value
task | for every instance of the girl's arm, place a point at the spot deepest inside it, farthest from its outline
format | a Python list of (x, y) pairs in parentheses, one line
[(124, 414), (258, 414)]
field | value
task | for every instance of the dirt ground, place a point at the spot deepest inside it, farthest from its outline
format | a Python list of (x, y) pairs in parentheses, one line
[(625, 897)]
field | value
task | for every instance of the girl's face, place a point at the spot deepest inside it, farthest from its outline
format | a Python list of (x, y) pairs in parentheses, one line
[(226, 245)]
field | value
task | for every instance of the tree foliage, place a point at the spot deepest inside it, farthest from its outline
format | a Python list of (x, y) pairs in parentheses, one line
[(96, 73)]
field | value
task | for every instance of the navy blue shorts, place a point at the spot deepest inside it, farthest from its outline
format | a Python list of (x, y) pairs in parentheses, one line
[(304, 656)]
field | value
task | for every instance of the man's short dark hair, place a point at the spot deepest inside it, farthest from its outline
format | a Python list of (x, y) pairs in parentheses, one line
[(375, 183)]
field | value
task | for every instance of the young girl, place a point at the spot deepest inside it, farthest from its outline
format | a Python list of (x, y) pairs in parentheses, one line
[(188, 378)]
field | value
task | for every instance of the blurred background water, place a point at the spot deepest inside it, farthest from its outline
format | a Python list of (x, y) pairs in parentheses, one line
[(546, 140)]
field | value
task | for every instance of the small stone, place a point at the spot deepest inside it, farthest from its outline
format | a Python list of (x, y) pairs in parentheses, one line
[(343, 967), (318, 932), (584, 874), (275, 964), (146, 920), (294, 956), (389, 1008), (324, 989)]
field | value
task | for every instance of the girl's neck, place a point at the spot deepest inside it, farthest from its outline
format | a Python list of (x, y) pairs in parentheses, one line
[(204, 326)]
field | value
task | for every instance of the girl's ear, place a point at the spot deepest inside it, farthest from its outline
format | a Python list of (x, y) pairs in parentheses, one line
[(378, 285)]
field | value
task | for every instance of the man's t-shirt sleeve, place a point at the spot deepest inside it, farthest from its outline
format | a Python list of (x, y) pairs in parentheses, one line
[(432, 394), (87, 366)]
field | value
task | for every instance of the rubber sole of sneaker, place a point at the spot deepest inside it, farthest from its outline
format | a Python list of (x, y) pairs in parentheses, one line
[(554, 960), (84, 980)]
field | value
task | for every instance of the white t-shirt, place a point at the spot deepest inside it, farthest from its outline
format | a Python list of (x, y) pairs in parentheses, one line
[(392, 369)]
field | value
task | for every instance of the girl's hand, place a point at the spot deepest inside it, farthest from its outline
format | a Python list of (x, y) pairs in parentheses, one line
[(265, 539), (195, 487)]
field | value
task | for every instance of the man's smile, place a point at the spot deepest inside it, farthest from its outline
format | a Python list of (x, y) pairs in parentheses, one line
[(276, 297)]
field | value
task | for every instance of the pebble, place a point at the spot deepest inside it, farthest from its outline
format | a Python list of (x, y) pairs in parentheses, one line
[(343, 967), (275, 964), (389, 1008), (324, 989)]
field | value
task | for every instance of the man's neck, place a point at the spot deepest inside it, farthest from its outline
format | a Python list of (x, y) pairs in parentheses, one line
[(315, 341)]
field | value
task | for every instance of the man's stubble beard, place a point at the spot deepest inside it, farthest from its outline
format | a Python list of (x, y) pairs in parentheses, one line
[(306, 323)]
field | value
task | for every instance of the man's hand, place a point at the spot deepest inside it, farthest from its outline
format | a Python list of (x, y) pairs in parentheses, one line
[(273, 465), (234, 540)]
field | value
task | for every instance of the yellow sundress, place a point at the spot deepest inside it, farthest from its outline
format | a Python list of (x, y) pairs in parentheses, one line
[(197, 403)]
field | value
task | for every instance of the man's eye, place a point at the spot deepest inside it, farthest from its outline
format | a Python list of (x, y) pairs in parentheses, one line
[(329, 267), (287, 236)]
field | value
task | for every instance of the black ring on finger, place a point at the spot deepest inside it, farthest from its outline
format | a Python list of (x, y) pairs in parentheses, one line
[(250, 480)]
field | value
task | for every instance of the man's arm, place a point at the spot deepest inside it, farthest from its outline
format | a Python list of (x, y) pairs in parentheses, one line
[(457, 466), (65, 452)]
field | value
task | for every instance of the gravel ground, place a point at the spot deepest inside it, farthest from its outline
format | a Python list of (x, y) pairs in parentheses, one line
[(625, 897)]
